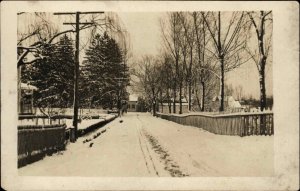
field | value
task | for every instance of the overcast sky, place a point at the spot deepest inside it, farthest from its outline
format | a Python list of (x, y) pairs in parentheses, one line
[(145, 36), (144, 31)]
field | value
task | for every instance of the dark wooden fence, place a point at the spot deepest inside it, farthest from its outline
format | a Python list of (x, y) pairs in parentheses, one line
[(242, 124), (36, 141)]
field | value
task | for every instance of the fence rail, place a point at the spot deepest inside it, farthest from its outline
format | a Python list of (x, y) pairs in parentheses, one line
[(243, 124)]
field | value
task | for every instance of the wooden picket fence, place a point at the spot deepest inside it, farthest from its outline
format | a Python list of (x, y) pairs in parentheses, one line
[(241, 124), (36, 141)]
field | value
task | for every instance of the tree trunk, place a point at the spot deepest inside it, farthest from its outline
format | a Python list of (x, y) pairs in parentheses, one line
[(190, 95), (180, 96), (174, 99), (153, 107), (222, 84), (190, 78), (198, 101), (203, 95), (221, 57), (262, 96), (111, 103), (169, 103), (262, 86), (161, 102)]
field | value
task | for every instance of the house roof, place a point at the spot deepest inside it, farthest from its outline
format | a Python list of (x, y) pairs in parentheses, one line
[(232, 103), (175, 104), (183, 100), (133, 97), (236, 104), (226, 98)]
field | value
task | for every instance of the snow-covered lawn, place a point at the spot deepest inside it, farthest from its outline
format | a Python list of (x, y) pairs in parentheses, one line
[(143, 145), (81, 125), (88, 122)]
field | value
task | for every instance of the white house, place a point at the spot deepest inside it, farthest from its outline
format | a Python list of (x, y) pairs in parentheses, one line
[(132, 103), (164, 108), (229, 103), (25, 105)]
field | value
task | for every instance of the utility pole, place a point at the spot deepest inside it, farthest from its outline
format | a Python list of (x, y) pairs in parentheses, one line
[(76, 70)]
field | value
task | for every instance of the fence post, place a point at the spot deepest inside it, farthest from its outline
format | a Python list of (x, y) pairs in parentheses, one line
[(262, 125), (72, 134)]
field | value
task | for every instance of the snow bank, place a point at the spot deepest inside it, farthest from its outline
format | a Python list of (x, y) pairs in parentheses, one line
[(201, 153), (124, 150)]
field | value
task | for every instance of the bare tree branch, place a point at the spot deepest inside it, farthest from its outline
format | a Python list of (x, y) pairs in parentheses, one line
[(236, 31), (209, 29), (26, 37)]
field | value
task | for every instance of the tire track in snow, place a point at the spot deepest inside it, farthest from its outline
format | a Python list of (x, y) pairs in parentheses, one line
[(169, 165), (139, 127), (144, 154), (156, 172)]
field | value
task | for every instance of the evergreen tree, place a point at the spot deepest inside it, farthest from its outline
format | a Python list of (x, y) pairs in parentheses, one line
[(103, 68), (53, 76)]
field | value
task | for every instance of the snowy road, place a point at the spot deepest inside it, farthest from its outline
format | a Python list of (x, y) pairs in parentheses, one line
[(143, 145)]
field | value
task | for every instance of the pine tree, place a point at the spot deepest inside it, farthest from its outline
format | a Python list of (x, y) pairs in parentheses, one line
[(103, 65), (53, 76)]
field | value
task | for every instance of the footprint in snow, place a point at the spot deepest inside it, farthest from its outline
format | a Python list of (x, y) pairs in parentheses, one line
[(91, 144)]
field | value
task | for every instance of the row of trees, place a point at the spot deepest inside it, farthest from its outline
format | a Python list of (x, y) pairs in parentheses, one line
[(199, 49), (101, 72), (49, 65), (53, 75)]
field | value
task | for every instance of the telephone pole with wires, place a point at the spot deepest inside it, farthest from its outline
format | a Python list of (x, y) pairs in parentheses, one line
[(73, 134)]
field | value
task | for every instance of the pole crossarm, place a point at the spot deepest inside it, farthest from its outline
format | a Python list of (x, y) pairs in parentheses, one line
[(73, 13), (65, 13), (92, 12), (76, 68), (86, 23)]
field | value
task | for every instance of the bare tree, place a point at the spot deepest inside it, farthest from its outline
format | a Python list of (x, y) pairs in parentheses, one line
[(42, 33), (171, 35), (205, 67), (167, 73), (149, 73), (228, 42), (189, 36), (262, 23)]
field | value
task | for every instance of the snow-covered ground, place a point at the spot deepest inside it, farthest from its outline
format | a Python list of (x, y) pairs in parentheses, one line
[(143, 145), (81, 125), (88, 122)]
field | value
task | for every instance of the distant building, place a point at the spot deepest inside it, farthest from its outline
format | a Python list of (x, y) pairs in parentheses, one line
[(132, 103), (26, 99), (230, 104), (164, 108)]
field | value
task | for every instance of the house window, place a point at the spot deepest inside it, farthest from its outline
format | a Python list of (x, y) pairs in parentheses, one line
[(133, 106)]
